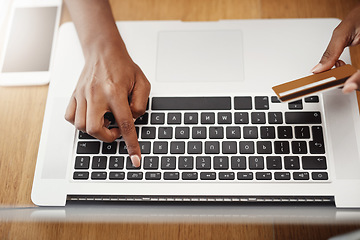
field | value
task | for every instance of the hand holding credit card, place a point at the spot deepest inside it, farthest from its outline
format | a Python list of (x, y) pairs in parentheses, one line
[(303, 87)]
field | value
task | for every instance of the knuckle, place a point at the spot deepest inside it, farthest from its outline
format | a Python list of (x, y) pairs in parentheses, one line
[(93, 130), (137, 110), (126, 127), (132, 148), (69, 117)]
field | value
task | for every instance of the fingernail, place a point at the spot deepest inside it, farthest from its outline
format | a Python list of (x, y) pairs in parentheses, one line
[(316, 68), (349, 87), (135, 160), (134, 119)]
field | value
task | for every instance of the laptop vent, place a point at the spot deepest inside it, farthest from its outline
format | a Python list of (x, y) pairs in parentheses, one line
[(209, 199)]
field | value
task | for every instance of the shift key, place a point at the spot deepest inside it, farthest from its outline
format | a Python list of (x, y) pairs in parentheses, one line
[(89, 147)]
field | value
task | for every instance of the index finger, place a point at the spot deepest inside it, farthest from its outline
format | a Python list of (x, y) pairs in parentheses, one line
[(123, 116)]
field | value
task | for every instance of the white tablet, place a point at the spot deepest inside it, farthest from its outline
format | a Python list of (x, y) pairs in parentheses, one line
[(27, 54)]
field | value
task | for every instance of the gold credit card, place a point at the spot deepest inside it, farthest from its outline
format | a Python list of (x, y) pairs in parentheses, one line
[(303, 87)]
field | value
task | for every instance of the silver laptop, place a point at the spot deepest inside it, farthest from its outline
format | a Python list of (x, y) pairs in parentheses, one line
[(214, 130)]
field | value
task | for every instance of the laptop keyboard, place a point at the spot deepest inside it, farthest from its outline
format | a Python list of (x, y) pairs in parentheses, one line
[(218, 139)]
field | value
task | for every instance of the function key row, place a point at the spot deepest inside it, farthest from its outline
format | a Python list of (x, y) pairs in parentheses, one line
[(205, 162), (81, 175), (221, 103)]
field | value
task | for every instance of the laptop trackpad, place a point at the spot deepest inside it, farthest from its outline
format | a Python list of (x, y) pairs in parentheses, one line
[(200, 56), (342, 133)]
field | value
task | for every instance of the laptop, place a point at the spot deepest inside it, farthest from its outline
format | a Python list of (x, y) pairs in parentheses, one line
[(213, 130)]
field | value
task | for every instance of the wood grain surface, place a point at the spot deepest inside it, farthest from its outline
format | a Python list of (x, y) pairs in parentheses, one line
[(22, 110)]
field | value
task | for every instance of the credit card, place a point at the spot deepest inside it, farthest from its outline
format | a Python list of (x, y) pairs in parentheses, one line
[(315, 83)]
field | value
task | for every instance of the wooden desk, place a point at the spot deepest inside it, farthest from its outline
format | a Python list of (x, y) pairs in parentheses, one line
[(21, 116)]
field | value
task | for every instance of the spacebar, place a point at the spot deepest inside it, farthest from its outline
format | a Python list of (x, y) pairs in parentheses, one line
[(191, 103)]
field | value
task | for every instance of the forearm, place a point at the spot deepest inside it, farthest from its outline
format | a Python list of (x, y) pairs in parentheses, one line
[(95, 25)]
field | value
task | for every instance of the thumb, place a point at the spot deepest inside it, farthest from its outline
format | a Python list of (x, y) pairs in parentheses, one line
[(338, 42)]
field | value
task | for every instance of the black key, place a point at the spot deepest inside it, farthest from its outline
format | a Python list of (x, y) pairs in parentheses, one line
[(314, 162), (88, 147), (182, 133), (284, 132), (134, 175), (145, 147), (275, 117), (226, 176), (122, 148), (207, 118), (250, 132), (152, 175), (191, 118), (157, 118), (258, 118), (296, 105), (216, 132), (116, 163), (302, 132), (160, 148), (256, 162), (174, 118), (263, 176), (207, 175), (194, 147), (233, 133), (186, 162), (203, 162), (317, 133), (262, 103), (224, 118), (116, 175), (273, 162), (316, 147), (303, 118), (199, 132), (177, 147), (109, 148), (168, 162), (264, 147), (243, 103), (98, 175), (221, 163), (299, 147), (282, 175), (267, 132), (99, 162), (171, 176), (191, 103), (142, 120), (291, 162), (83, 135), (319, 176), (241, 118), (282, 147), (129, 164), (82, 162), (229, 147), (189, 175), (81, 175), (148, 133), (212, 148), (245, 176), (301, 176), (275, 99), (151, 162), (246, 147), (238, 163), (165, 132), (312, 99)]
